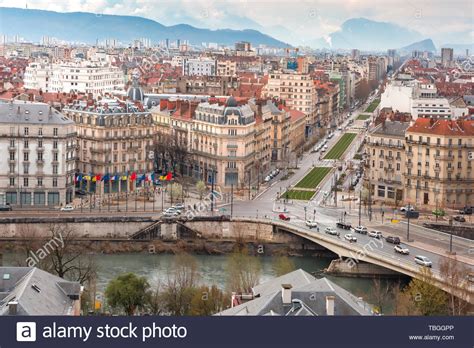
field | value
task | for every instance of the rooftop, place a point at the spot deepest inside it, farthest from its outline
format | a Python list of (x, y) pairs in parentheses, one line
[(443, 127), (15, 112), (391, 128)]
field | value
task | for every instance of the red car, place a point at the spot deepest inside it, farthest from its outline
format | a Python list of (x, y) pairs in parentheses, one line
[(284, 217)]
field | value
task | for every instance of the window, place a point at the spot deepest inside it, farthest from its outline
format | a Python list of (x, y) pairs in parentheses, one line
[(55, 169), (459, 165), (398, 166), (381, 191), (26, 168), (55, 157), (40, 131), (26, 131), (26, 157), (55, 132), (12, 181), (427, 152), (40, 181), (12, 142), (55, 182), (25, 182), (381, 165), (12, 156), (40, 156), (40, 143), (55, 144)]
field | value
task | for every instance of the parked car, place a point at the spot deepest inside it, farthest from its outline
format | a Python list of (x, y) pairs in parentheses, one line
[(81, 192), (331, 230), (375, 234), (466, 211), (173, 211), (350, 237), (67, 207), (284, 217), (393, 240), (360, 229), (311, 223), (5, 207), (170, 214), (459, 218), (412, 214), (401, 249), (407, 208), (267, 178), (423, 261), (178, 206)]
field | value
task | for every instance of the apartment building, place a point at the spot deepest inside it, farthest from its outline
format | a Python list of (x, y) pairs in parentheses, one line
[(385, 161), (439, 167), (199, 66), (112, 138), (39, 150), (79, 77), (298, 92), (226, 68)]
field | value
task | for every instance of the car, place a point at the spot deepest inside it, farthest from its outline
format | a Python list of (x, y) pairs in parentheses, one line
[(178, 206), (325, 147), (393, 240), (360, 229), (407, 208), (311, 223), (423, 261), (401, 249), (67, 207), (267, 178), (284, 217), (459, 218), (275, 173), (81, 192), (331, 230), (343, 225), (5, 207), (170, 214), (350, 237), (173, 211), (325, 194), (466, 211), (375, 234), (323, 150), (339, 128)]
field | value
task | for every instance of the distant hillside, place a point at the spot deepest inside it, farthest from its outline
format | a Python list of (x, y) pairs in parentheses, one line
[(369, 35), (424, 45), (87, 27)]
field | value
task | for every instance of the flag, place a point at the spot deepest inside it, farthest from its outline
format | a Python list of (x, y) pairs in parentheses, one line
[(169, 176), (124, 177), (86, 177), (98, 177), (133, 177), (106, 177), (114, 178)]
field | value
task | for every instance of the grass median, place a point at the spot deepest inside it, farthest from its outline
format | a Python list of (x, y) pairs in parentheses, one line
[(341, 146), (313, 178), (299, 195)]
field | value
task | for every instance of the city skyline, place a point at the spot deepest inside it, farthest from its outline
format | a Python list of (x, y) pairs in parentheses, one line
[(444, 23)]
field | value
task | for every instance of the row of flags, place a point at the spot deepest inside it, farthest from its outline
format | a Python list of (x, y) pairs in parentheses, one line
[(147, 177)]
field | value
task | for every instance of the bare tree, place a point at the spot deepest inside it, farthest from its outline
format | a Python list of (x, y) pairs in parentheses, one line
[(66, 259), (243, 271), (380, 293), (455, 275)]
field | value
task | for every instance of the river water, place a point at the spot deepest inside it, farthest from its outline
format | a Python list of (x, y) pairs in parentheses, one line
[(212, 270)]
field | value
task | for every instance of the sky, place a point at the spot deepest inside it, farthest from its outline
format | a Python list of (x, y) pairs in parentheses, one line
[(444, 21)]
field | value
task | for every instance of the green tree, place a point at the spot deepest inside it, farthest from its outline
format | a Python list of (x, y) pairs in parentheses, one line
[(176, 191), (427, 298), (243, 271), (283, 265), (201, 188), (208, 301), (127, 292)]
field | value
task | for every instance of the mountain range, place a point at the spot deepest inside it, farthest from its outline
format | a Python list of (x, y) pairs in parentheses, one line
[(88, 27), (361, 33)]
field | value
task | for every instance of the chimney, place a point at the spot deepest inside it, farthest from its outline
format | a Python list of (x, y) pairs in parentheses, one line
[(12, 308), (286, 293), (330, 305)]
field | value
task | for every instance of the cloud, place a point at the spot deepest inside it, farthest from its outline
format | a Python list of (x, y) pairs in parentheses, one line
[(306, 20)]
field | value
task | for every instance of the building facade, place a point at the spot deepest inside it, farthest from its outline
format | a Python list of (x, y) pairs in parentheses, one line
[(39, 147), (112, 138)]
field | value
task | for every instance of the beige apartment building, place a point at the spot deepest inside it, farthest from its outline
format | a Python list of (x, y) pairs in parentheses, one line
[(298, 92), (439, 167), (385, 162), (112, 138)]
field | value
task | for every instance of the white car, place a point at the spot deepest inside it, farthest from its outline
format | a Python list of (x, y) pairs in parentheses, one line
[(331, 230), (67, 207), (375, 234), (360, 229), (406, 208), (350, 237), (423, 261), (401, 249), (267, 178), (178, 206), (311, 223)]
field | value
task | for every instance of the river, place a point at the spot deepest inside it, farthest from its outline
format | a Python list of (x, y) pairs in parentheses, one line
[(212, 270)]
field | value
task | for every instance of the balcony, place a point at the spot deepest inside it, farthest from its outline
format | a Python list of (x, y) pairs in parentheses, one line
[(409, 164), (410, 153), (39, 162), (11, 148), (390, 158), (40, 149)]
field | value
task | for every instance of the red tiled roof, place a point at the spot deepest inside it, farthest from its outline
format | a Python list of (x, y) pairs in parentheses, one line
[(443, 127)]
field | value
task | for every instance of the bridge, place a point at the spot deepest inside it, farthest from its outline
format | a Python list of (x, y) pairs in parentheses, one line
[(366, 249)]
